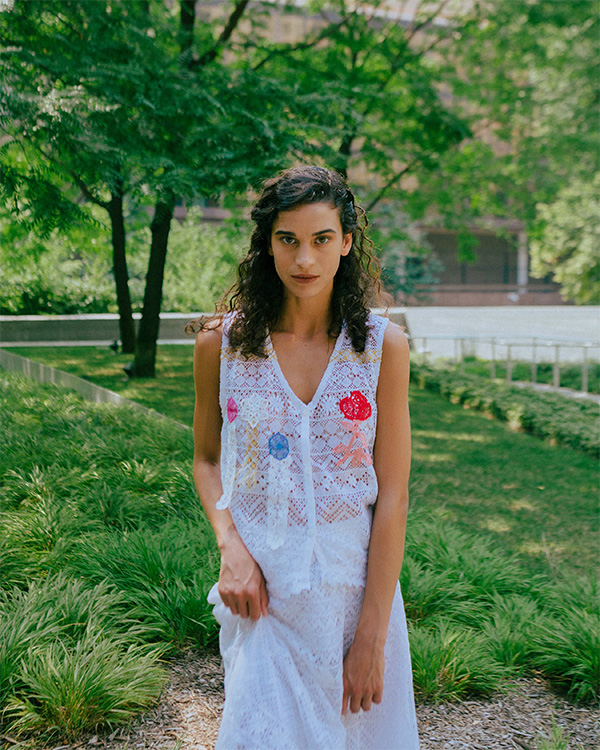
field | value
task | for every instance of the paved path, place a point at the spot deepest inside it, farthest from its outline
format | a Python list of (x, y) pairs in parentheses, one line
[(576, 324), (568, 392)]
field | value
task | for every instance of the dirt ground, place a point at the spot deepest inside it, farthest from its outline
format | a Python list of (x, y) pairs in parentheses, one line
[(188, 716)]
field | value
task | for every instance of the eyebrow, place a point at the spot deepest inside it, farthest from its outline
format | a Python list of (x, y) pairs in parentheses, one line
[(315, 234)]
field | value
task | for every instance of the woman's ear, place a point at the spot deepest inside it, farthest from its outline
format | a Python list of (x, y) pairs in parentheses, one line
[(347, 246), (270, 249)]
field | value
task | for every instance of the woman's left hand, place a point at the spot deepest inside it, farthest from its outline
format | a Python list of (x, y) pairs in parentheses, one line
[(364, 665)]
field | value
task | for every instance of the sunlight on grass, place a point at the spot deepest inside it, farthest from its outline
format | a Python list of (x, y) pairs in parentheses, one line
[(466, 467), (521, 505), (543, 548), (499, 525), (470, 437), (433, 458)]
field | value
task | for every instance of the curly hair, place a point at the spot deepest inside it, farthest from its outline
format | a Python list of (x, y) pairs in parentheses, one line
[(258, 294)]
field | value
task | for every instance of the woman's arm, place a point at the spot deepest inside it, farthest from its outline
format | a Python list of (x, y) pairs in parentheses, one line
[(364, 661), (241, 582)]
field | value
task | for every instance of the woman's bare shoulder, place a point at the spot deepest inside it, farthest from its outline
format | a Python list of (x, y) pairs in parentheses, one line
[(395, 342), (208, 344)]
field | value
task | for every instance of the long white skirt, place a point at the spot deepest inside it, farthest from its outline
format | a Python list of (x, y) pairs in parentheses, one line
[(283, 677)]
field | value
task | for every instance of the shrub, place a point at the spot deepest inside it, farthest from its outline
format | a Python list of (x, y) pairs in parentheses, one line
[(450, 663), (60, 609), (99, 679), (167, 573), (509, 629), (551, 416), (567, 651)]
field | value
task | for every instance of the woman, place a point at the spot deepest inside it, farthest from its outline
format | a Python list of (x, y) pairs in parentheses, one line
[(302, 455)]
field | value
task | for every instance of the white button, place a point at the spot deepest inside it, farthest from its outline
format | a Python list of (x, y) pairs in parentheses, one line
[(311, 532), (306, 470)]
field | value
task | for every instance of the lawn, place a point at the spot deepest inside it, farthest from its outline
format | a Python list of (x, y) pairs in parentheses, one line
[(522, 493), (106, 556)]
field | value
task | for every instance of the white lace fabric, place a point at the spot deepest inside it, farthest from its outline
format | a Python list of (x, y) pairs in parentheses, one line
[(299, 479), (300, 484)]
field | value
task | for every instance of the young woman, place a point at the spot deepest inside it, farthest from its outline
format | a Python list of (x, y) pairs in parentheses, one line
[(302, 455)]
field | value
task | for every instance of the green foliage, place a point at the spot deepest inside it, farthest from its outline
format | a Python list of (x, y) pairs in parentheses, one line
[(66, 274), (60, 627), (99, 680), (553, 417), (567, 651), (558, 741), (167, 573), (201, 263), (450, 663), (567, 240), (570, 374), (513, 619)]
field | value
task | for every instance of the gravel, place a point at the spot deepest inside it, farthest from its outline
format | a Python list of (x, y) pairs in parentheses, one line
[(517, 718)]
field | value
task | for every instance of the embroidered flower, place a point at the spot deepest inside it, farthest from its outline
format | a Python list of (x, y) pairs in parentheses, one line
[(279, 447), (232, 410), (254, 409), (355, 406)]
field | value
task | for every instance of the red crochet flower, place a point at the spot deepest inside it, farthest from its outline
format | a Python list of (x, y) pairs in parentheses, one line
[(355, 406)]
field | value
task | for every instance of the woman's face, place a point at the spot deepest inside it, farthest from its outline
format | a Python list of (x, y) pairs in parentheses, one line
[(307, 244)]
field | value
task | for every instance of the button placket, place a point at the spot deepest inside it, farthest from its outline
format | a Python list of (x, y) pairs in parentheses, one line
[(308, 478)]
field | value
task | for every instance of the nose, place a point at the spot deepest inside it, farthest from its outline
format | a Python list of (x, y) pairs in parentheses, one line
[(304, 256)]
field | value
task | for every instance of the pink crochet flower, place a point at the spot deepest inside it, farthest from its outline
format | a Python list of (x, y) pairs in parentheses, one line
[(232, 410)]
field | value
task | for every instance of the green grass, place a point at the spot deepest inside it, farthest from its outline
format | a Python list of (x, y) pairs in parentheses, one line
[(99, 365), (533, 498), (105, 553)]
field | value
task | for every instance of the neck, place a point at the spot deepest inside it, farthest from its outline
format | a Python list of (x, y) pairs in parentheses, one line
[(304, 318)]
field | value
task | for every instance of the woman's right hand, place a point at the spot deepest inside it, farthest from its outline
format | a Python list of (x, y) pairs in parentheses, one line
[(242, 585)]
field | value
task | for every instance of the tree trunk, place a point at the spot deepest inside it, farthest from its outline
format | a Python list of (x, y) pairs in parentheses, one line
[(145, 349), (126, 325)]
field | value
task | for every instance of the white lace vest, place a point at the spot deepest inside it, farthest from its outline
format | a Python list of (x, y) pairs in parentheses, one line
[(299, 479)]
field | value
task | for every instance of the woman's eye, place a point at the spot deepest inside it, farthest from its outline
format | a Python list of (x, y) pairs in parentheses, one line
[(288, 240), (322, 240)]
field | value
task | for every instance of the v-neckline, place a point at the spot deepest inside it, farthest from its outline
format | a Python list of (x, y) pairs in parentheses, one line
[(322, 383)]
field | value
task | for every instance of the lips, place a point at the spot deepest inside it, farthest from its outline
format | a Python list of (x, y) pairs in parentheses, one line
[(304, 279)]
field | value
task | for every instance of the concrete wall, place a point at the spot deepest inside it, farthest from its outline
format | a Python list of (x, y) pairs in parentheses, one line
[(443, 327), (44, 374), (50, 330), (93, 329)]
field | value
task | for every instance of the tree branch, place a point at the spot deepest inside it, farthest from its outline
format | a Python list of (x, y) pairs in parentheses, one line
[(427, 20), (228, 30), (323, 34), (396, 178)]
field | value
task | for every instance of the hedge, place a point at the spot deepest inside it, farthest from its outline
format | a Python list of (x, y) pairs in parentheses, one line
[(561, 420)]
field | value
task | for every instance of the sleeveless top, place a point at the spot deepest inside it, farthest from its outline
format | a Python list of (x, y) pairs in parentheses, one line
[(298, 478)]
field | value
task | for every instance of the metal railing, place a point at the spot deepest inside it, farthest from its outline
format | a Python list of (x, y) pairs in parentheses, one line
[(539, 350)]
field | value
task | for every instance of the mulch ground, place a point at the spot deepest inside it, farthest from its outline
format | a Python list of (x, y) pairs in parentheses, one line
[(188, 716)]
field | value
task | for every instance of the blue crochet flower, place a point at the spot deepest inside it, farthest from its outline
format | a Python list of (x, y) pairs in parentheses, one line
[(279, 446)]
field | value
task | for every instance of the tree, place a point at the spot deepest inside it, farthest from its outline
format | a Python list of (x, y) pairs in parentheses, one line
[(525, 75), (567, 241), (114, 100)]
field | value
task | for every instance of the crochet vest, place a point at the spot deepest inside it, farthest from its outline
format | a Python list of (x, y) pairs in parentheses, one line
[(298, 478)]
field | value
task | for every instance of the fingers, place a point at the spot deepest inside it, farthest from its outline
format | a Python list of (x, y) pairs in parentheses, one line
[(252, 603), (264, 598), (255, 605), (345, 699), (355, 699)]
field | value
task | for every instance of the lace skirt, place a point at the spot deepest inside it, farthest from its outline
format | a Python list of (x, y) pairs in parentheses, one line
[(283, 676)]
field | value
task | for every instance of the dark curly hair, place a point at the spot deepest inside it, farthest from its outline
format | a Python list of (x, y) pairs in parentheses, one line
[(258, 294)]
